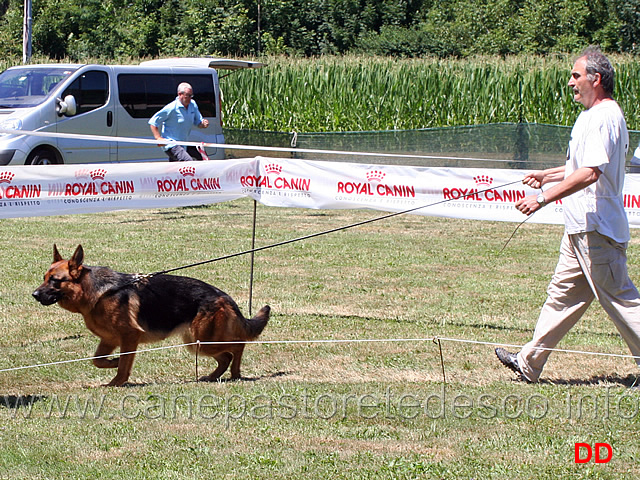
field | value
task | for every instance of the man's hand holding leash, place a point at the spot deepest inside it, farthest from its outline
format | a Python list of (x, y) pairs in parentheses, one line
[(578, 180), (533, 203)]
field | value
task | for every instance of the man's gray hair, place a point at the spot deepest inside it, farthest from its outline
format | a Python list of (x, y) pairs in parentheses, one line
[(183, 86), (597, 62)]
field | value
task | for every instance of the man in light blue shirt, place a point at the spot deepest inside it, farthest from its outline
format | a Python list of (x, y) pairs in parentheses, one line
[(174, 122)]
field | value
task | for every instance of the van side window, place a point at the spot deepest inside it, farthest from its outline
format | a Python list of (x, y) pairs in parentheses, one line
[(143, 94), (91, 90)]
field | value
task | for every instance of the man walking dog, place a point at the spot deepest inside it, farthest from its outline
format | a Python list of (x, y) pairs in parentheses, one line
[(593, 262)]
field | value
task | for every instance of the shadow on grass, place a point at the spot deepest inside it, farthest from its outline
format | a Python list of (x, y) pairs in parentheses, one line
[(220, 380), (245, 379), (627, 381), (18, 401), (53, 340)]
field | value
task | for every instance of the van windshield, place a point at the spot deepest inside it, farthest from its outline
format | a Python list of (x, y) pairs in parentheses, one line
[(28, 86)]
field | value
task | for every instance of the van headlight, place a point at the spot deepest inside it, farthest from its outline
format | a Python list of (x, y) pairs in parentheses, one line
[(10, 124)]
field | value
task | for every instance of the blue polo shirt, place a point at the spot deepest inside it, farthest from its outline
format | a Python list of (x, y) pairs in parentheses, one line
[(175, 121)]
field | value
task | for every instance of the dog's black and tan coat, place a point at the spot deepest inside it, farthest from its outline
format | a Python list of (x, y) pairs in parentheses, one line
[(125, 310)]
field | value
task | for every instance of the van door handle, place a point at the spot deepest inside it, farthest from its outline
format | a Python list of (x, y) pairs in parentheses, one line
[(109, 118)]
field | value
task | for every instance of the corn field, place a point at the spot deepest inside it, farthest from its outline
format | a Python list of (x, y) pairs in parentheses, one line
[(354, 94), (332, 94)]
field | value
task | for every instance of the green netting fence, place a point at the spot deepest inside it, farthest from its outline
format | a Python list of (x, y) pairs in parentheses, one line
[(503, 145)]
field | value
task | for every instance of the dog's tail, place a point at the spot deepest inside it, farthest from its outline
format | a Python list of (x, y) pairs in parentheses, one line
[(255, 325)]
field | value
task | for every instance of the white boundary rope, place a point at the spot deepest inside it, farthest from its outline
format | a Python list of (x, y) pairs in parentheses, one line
[(101, 138), (326, 341), (104, 138)]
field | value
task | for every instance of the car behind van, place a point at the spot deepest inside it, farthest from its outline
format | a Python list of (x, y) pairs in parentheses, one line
[(102, 100)]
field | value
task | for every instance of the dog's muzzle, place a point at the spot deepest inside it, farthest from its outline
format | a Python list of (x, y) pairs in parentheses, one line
[(46, 298)]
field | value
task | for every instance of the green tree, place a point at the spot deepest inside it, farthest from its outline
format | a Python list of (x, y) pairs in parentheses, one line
[(628, 14), (79, 29)]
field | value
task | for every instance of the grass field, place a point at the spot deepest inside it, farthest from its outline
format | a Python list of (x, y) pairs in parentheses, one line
[(348, 410)]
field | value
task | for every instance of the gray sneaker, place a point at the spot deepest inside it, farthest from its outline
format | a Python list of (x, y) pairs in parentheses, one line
[(509, 360)]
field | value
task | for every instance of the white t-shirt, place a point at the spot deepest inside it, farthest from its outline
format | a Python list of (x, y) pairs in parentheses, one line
[(600, 139)]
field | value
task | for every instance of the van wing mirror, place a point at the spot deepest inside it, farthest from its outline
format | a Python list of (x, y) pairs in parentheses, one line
[(67, 106)]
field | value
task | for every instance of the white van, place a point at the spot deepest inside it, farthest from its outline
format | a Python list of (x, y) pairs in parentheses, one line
[(103, 100)]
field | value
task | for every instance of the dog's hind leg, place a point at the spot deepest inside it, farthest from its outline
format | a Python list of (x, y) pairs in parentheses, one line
[(223, 359), (102, 352), (237, 358)]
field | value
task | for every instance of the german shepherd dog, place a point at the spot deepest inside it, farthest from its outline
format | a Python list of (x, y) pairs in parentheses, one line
[(124, 310)]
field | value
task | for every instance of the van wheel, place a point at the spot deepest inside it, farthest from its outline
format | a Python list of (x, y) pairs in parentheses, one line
[(42, 156)]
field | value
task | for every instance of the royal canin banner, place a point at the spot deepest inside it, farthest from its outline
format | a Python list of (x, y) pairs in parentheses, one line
[(469, 193)]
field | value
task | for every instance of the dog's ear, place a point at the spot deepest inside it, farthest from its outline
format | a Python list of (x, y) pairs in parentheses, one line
[(75, 262), (56, 254)]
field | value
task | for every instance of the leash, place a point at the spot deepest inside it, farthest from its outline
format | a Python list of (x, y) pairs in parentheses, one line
[(326, 232), (515, 231)]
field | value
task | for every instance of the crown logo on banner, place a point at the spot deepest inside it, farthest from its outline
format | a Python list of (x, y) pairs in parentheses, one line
[(273, 168), (6, 177), (375, 175), (188, 171), (483, 180), (98, 174)]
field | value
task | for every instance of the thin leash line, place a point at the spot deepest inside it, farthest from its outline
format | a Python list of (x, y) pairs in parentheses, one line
[(326, 232), (147, 141), (513, 234), (517, 228), (199, 344)]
